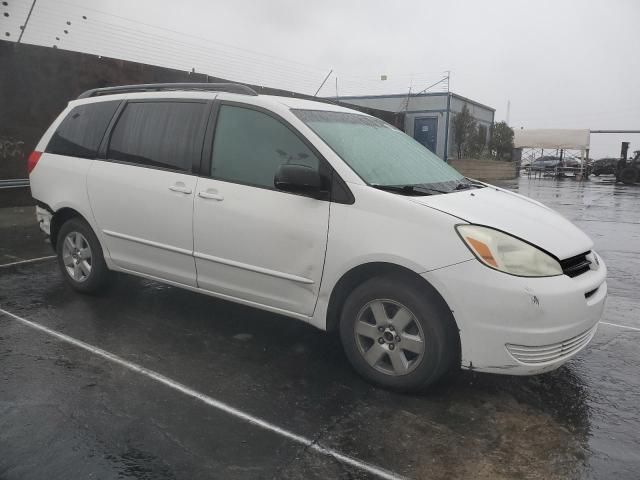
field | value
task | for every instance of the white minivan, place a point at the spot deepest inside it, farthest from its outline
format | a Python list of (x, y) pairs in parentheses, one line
[(320, 213)]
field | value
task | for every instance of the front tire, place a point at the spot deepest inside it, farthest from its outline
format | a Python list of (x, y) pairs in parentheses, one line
[(80, 257), (399, 334)]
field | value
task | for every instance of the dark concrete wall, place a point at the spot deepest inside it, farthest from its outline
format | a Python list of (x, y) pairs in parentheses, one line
[(36, 83)]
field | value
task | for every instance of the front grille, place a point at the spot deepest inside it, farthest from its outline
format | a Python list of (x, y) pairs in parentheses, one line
[(551, 353), (577, 265)]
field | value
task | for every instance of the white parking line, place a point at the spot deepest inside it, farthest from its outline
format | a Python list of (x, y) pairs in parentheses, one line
[(635, 329), (212, 402), (31, 260)]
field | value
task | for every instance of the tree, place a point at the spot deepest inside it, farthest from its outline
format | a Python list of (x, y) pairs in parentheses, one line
[(464, 127), (476, 143), (501, 143)]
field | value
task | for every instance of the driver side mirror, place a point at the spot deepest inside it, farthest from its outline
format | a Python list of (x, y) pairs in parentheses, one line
[(299, 179)]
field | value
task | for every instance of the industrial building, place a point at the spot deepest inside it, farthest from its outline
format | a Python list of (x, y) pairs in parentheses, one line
[(428, 114)]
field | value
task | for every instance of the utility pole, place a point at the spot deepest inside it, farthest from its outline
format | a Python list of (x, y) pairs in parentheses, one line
[(508, 110), (406, 104), (446, 133), (24, 27)]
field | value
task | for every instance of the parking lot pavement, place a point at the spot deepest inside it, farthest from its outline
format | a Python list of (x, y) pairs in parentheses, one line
[(20, 236), (68, 410)]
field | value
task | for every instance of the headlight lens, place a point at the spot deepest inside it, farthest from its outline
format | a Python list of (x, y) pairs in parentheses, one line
[(508, 254)]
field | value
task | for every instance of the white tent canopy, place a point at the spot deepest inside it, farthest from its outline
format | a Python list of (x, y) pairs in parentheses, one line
[(552, 138)]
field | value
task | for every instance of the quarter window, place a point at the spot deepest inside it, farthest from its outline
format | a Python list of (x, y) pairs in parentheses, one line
[(159, 134), (250, 146), (80, 133)]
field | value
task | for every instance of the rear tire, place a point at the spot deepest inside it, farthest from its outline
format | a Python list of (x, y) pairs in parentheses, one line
[(629, 175), (398, 334), (80, 257)]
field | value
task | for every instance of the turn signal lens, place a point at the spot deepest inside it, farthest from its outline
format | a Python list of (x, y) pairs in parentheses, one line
[(508, 254), (32, 161), (483, 251)]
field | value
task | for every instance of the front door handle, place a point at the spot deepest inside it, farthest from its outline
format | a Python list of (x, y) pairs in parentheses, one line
[(211, 194), (180, 187)]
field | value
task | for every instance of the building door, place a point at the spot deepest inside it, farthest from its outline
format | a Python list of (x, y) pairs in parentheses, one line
[(426, 132)]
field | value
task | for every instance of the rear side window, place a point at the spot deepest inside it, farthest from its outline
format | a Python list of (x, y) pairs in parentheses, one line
[(159, 134), (80, 133), (250, 146)]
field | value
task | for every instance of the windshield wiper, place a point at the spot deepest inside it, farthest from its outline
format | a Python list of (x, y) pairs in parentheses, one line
[(408, 189), (467, 184)]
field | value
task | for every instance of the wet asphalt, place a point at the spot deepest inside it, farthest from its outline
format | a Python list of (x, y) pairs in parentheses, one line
[(67, 413)]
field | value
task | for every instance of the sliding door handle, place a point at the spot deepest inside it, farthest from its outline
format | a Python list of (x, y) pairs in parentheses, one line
[(211, 194), (180, 188)]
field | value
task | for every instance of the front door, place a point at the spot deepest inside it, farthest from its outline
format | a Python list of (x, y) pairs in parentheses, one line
[(251, 241), (426, 132), (142, 194)]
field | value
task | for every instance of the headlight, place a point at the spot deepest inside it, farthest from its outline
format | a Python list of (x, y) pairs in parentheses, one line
[(508, 254)]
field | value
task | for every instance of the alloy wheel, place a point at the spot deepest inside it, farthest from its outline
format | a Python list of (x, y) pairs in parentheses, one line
[(389, 337), (76, 256)]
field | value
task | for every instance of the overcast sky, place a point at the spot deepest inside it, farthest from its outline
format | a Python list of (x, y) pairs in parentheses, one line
[(569, 64)]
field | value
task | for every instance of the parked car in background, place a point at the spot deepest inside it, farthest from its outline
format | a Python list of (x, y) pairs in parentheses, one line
[(604, 166), (321, 213), (545, 163), (551, 165), (571, 162)]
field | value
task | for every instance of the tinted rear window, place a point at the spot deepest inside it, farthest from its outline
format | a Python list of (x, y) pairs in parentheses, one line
[(81, 131), (163, 134)]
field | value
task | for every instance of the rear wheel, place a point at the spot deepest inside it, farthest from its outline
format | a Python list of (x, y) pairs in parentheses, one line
[(80, 256), (629, 175), (397, 334)]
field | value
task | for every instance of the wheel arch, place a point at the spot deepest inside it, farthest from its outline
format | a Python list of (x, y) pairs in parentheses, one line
[(59, 218), (361, 273)]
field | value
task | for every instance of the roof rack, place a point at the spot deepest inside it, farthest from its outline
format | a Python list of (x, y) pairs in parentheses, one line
[(161, 87)]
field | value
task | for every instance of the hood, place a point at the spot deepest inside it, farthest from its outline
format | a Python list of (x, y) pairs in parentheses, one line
[(513, 214)]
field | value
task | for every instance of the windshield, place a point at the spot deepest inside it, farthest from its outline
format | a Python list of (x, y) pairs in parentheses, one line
[(379, 153)]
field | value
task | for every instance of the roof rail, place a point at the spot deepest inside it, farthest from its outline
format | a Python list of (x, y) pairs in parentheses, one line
[(160, 87)]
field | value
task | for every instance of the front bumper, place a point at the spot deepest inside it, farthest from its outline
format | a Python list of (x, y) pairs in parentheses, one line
[(518, 325)]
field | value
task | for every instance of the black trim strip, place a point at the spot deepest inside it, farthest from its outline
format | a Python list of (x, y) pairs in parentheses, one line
[(44, 205), (590, 293), (196, 167), (210, 133), (104, 144)]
